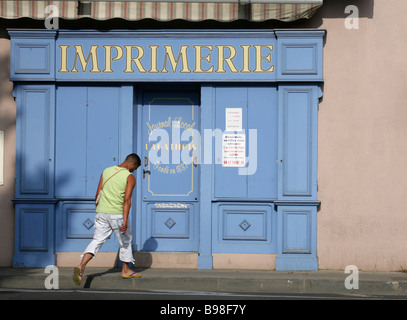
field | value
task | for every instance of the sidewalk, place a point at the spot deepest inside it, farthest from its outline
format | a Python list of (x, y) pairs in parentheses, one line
[(321, 282)]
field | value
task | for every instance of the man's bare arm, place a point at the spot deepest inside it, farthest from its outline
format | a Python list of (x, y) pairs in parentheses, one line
[(131, 182)]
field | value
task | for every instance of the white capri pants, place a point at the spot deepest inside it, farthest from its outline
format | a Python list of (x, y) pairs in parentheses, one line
[(105, 224)]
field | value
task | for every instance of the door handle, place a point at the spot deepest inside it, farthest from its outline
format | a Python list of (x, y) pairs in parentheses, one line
[(145, 161), (146, 171)]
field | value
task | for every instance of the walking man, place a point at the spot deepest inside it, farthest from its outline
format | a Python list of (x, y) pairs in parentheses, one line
[(113, 202)]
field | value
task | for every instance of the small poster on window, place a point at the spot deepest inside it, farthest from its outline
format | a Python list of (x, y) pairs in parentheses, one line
[(233, 119), (233, 150)]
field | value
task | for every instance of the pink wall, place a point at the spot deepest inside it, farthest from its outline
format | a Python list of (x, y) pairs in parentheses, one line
[(362, 140)]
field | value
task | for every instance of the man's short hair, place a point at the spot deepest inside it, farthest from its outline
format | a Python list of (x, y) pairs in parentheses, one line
[(133, 158)]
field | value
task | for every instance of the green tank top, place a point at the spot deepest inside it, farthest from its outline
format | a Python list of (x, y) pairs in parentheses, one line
[(112, 197)]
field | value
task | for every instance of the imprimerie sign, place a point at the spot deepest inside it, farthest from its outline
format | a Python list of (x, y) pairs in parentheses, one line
[(167, 56)]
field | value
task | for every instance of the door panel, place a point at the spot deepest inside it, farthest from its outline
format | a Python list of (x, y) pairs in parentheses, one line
[(87, 141), (87, 138), (258, 107), (170, 147)]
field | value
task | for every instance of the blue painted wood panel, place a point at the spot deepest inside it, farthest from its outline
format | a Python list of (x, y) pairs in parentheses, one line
[(33, 58), (170, 227), (298, 107), (296, 231), (171, 222), (182, 55), (297, 238), (206, 179), (34, 237), (262, 178), (34, 229), (71, 141), (104, 111), (235, 55), (87, 137), (228, 183), (297, 143), (244, 228), (170, 148), (32, 55), (299, 55), (171, 143), (35, 141), (75, 227), (93, 125), (241, 225), (299, 59), (258, 179)]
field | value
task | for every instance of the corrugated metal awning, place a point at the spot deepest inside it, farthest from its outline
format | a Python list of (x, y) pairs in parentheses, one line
[(167, 10)]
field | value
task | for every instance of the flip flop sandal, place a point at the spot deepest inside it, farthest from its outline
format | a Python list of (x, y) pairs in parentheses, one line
[(77, 276), (133, 275)]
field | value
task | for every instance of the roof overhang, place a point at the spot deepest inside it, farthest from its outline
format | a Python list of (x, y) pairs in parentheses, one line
[(163, 10)]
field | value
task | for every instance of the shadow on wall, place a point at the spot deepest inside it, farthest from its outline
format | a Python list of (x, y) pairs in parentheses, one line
[(333, 9), (8, 126), (336, 9), (144, 258)]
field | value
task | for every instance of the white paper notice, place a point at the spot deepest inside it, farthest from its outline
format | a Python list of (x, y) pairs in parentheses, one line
[(233, 119), (233, 150)]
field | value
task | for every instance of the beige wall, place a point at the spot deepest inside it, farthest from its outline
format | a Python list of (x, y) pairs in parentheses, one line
[(362, 170), (363, 140), (8, 126)]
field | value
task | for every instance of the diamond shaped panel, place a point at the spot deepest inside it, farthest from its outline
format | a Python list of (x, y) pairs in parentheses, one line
[(88, 223), (244, 225), (170, 223)]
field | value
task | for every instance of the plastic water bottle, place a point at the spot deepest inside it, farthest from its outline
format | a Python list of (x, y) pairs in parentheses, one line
[(121, 231), (119, 223)]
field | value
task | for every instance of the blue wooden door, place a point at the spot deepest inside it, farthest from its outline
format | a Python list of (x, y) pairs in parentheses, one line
[(87, 140), (170, 147)]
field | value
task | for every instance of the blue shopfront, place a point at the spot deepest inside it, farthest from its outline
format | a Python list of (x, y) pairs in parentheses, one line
[(225, 123)]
